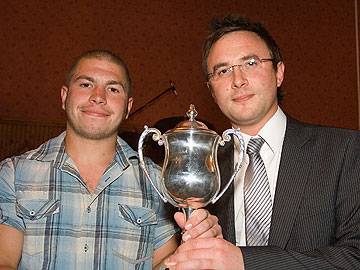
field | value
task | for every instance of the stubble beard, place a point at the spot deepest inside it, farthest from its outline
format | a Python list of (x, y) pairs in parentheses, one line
[(92, 132)]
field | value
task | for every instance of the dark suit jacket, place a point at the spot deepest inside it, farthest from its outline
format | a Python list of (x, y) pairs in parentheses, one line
[(316, 214)]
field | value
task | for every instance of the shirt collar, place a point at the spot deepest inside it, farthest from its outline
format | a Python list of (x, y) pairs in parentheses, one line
[(55, 152), (124, 153), (272, 132)]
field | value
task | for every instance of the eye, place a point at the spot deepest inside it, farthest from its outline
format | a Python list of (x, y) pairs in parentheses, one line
[(251, 63), (85, 85), (223, 71), (114, 90)]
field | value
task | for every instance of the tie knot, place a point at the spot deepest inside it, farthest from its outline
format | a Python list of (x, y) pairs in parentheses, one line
[(254, 145)]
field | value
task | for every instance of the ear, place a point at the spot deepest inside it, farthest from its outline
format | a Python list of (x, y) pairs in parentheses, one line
[(280, 73), (129, 106), (64, 92), (211, 91)]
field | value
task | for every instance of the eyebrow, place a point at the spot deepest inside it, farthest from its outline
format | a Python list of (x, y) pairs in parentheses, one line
[(83, 77), (88, 78)]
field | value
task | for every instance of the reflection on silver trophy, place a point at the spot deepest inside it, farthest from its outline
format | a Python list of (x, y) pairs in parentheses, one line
[(190, 177)]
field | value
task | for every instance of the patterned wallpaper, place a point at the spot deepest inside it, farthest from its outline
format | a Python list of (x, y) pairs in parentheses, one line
[(161, 41)]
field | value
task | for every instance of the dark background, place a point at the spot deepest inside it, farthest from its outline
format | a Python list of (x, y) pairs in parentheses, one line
[(161, 41)]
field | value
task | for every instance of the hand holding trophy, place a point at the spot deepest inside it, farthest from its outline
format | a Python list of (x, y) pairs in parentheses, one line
[(190, 177)]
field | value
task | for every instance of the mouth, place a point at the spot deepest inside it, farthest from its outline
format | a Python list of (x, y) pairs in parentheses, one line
[(242, 98), (95, 112)]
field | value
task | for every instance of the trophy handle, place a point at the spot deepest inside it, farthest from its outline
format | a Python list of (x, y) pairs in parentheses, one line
[(225, 138), (156, 137)]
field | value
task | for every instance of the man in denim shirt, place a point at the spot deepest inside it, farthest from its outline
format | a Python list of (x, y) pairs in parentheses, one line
[(80, 201)]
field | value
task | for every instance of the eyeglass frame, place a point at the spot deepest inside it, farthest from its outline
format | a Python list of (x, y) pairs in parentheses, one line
[(231, 67)]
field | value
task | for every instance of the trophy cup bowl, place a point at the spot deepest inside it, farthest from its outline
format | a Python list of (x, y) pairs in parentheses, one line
[(190, 177)]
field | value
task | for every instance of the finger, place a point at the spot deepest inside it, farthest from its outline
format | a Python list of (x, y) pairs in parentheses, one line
[(200, 217), (203, 231), (215, 231), (194, 258), (201, 243), (208, 227), (210, 253), (180, 219), (197, 216), (199, 264), (189, 260)]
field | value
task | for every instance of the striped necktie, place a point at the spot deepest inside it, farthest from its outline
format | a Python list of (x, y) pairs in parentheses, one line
[(257, 197)]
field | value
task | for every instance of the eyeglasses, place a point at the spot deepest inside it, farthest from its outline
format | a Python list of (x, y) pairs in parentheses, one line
[(247, 65)]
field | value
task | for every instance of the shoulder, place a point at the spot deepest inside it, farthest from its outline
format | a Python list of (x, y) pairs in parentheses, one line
[(320, 130), (32, 160), (320, 138), (47, 151)]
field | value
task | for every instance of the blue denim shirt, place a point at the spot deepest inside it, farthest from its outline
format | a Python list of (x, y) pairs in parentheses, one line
[(118, 226)]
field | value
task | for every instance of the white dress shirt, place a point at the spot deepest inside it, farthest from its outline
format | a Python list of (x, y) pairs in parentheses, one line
[(273, 133)]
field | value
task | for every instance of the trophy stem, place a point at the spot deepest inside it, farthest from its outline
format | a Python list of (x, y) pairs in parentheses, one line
[(187, 212)]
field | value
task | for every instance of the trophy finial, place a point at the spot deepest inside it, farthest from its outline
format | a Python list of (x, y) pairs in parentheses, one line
[(192, 113), (191, 123)]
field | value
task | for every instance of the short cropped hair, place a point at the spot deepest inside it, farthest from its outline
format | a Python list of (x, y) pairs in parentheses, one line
[(104, 55)]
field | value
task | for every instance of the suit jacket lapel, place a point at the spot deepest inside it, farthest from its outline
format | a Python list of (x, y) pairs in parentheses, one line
[(294, 167)]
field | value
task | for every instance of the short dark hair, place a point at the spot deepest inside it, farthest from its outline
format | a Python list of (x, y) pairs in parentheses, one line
[(105, 55), (232, 23)]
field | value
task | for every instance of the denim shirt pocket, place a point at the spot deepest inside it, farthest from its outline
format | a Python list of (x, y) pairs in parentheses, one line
[(34, 209), (138, 216), (138, 231), (34, 213)]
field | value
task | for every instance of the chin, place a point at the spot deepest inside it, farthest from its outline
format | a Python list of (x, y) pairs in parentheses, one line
[(95, 134)]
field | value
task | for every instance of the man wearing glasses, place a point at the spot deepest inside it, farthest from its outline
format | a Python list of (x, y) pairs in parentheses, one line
[(296, 202)]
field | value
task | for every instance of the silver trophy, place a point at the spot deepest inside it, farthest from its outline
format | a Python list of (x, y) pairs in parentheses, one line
[(190, 177)]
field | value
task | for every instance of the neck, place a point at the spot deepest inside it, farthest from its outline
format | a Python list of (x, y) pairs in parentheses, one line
[(252, 128), (88, 151)]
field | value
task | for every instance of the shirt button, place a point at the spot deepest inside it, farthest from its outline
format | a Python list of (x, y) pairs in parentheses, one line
[(86, 247), (139, 220), (88, 209), (32, 213)]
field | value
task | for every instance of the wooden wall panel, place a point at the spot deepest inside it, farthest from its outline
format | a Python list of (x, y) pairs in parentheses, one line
[(17, 137)]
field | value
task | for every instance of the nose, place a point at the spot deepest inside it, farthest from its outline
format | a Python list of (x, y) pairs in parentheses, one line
[(98, 95), (238, 77)]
